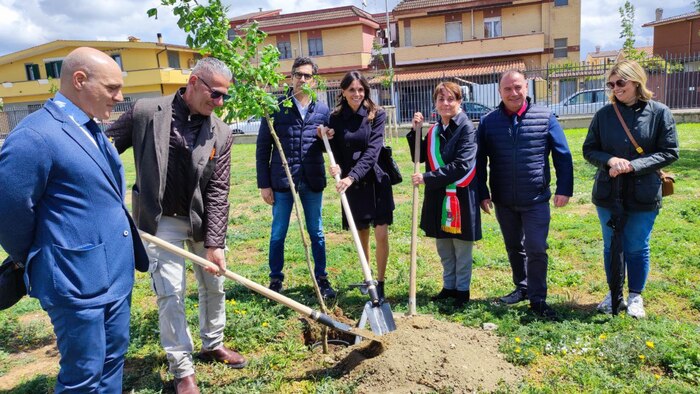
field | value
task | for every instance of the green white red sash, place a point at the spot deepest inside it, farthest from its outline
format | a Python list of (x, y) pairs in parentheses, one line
[(451, 215)]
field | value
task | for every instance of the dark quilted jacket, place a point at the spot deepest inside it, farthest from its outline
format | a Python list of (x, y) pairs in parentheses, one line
[(654, 129), (518, 157), (147, 128), (304, 152)]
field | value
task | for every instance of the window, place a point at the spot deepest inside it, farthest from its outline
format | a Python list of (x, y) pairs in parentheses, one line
[(453, 31), (492, 27), (118, 59), (559, 3), (315, 46), (173, 59), (53, 68), (285, 48), (32, 71), (560, 48), (407, 36)]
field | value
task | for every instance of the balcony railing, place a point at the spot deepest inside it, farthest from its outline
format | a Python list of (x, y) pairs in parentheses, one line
[(471, 49)]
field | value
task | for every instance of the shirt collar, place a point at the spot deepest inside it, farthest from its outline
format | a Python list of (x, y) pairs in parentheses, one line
[(520, 112), (71, 110)]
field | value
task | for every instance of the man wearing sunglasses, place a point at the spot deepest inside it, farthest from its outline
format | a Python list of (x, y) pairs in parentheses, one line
[(296, 129), (182, 153)]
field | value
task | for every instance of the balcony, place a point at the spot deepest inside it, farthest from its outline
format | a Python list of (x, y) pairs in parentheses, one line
[(40, 89), (333, 63), (472, 49)]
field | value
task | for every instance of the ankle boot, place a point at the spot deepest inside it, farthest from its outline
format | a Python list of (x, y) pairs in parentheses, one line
[(444, 294), (461, 298), (380, 290)]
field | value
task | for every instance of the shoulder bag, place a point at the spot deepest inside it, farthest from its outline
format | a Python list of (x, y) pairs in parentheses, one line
[(12, 287), (667, 179)]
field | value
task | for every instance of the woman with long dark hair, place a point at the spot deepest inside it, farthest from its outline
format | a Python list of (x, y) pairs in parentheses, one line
[(357, 132)]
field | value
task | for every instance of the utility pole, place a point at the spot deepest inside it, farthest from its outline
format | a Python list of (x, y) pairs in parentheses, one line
[(388, 35)]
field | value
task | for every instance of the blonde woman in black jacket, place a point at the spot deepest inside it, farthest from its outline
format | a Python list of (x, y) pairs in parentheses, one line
[(608, 147)]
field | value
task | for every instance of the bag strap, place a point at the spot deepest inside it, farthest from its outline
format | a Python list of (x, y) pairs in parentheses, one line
[(627, 130)]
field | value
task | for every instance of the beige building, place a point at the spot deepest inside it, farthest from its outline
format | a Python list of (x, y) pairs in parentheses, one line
[(338, 39), (31, 76), (457, 33)]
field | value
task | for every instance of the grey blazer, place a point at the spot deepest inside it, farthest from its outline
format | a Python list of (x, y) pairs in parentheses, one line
[(147, 128)]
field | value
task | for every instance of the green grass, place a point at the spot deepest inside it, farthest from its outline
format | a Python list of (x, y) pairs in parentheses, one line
[(585, 351)]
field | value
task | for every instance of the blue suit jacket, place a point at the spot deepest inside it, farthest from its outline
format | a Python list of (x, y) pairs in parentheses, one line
[(62, 212)]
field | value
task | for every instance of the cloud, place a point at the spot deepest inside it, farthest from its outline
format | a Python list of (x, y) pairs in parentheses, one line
[(35, 22)]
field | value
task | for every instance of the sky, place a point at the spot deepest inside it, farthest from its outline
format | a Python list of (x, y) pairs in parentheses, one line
[(27, 23)]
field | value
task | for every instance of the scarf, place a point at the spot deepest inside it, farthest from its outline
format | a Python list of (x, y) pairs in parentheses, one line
[(451, 215)]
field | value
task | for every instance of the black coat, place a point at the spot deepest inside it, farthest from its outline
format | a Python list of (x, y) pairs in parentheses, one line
[(459, 155), (356, 145), (652, 126)]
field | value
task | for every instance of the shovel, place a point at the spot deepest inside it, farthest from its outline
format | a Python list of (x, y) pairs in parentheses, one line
[(302, 309), (414, 227), (376, 312)]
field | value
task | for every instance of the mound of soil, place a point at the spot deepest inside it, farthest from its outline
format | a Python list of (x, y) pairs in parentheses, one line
[(427, 355)]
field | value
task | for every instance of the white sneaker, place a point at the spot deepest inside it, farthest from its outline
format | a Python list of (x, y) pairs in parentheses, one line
[(635, 306), (606, 305)]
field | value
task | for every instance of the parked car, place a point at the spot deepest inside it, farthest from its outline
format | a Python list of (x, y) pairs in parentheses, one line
[(473, 110), (582, 102), (248, 126)]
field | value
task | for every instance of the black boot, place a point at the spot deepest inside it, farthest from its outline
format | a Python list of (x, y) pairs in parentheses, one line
[(444, 294), (380, 290), (461, 298)]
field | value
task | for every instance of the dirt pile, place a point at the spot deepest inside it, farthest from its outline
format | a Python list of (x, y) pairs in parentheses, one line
[(427, 355)]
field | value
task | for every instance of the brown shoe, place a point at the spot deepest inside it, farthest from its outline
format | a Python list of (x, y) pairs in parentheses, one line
[(186, 385), (224, 355)]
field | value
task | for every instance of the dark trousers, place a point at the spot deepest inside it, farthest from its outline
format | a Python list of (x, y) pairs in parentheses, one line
[(92, 343), (525, 230)]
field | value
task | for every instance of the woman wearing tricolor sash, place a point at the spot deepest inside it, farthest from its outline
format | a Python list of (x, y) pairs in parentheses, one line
[(450, 212)]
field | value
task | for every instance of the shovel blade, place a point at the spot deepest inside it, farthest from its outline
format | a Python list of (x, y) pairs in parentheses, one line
[(380, 318)]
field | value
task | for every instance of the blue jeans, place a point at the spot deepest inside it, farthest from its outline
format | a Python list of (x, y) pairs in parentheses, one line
[(92, 342), (525, 230), (636, 235), (281, 212)]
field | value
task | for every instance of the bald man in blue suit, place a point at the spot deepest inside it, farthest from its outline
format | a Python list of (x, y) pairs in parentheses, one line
[(62, 212)]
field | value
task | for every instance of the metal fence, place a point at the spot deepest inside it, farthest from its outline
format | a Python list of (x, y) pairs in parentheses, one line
[(568, 89)]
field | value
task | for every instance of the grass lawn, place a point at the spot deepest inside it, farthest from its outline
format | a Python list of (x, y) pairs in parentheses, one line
[(585, 351)]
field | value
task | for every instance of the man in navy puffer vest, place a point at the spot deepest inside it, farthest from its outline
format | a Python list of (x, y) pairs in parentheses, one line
[(296, 129), (515, 140)]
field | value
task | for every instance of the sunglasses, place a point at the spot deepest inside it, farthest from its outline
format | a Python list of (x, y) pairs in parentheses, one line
[(215, 94), (303, 76), (620, 83)]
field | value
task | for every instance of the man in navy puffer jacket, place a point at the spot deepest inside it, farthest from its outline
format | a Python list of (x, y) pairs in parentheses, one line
[(515, 140), (296, 129)]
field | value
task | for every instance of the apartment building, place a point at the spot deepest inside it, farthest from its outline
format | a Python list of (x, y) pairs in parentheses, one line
[(30, 76)]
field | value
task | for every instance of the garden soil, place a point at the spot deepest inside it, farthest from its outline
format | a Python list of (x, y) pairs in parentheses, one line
[(425, 355)]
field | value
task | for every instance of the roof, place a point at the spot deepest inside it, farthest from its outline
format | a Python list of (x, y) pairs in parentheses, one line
[(673, 19), (604, 53), (101, 45), (315, 19), (464, 71), (240, 19), (410, 5)]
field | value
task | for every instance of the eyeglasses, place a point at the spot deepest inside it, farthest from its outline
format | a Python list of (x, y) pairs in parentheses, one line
[(214, 94), (620, 83), (303, 76)]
